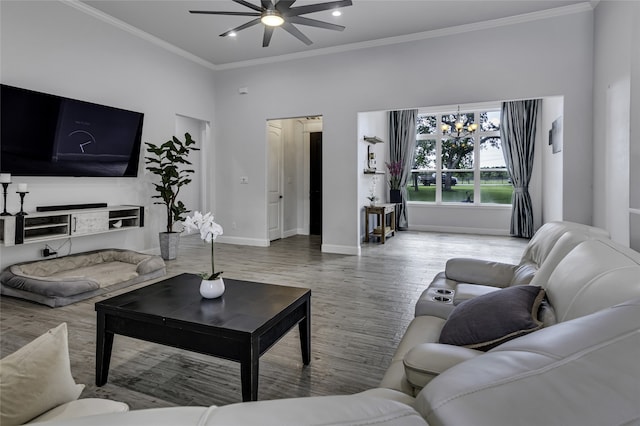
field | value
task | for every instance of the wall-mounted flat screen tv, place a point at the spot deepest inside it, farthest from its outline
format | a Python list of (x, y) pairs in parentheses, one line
[(48, 135)]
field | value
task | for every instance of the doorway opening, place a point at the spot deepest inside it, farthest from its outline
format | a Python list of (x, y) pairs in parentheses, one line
[(194, 195), (294, 177), (315, 183)]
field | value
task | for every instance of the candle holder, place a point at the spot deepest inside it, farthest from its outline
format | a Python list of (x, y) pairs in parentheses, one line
[(5, 185), (22, 194)]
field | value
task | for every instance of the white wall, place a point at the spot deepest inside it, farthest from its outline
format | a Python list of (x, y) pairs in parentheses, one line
[(634, 154), (54, 48), (85, 58), (292, 141), (526, 60), (615, 183), (552, 163), (372, 124), (483, 219), (194, 195)]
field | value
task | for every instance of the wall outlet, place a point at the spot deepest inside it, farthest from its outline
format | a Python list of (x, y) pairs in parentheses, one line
[(48, 252), (244, 180)]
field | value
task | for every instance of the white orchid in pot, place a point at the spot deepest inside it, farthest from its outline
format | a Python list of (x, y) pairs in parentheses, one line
[(212, 285)]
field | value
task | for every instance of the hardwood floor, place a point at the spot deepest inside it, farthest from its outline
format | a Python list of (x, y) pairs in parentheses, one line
[(361, 306)]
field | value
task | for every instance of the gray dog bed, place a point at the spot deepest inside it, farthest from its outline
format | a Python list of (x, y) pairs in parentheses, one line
[(64, 280)]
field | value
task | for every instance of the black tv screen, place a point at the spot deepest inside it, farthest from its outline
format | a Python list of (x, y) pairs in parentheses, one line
[(48, 135)]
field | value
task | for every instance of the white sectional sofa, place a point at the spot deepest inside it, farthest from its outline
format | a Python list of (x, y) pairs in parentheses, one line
[(579, 372), (573, 360), (465, 278), (473, 278)]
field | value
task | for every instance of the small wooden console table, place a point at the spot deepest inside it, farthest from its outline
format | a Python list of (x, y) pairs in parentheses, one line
[(381, 230)]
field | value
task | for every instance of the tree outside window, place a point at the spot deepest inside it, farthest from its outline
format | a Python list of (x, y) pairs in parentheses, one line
[(467, 169)]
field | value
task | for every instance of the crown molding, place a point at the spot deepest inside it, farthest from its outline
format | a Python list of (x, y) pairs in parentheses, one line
[(91, 11), (476, 26), (460, 29)]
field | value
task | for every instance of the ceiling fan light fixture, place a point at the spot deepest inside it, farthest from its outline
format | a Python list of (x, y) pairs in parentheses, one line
[(271, 18), (280, 13)]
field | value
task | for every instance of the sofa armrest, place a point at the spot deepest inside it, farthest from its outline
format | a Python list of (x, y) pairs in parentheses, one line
[(475, 271), (425, 361)]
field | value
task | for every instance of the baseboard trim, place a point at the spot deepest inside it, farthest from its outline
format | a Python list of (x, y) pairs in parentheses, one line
[(154, 250), (290, 233), (349, 250), (459, 230), (243, 241)]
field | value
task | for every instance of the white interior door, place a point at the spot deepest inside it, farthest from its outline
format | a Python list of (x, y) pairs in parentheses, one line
[(274, 179)]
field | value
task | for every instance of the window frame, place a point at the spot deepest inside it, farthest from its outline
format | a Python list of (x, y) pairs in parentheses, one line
[(476, 170)]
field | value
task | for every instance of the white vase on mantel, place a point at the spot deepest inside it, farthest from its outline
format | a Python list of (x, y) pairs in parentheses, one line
[(210, 289)]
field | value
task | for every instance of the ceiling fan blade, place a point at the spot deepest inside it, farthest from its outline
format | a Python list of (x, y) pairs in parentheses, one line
[(284, 5), (266, 4), (314, 23), (288, 27), (266, 38), (301, 10), (207, 12), (241, 27), (249, 5)]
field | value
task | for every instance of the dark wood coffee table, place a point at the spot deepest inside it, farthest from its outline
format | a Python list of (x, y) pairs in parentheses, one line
[(240, 326)]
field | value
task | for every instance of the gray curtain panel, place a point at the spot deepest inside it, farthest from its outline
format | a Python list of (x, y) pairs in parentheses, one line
[(518, 133), (402, 144)]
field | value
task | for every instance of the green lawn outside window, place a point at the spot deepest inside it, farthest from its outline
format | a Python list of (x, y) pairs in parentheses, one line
[(494, 193)]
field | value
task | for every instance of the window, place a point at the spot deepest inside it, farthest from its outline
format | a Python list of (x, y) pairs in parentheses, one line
[(465, 169)]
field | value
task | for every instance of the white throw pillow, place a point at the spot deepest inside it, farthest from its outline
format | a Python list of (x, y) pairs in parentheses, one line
[(36, 378)]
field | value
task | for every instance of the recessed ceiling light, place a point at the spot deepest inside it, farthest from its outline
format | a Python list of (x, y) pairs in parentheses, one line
[(336, 13)]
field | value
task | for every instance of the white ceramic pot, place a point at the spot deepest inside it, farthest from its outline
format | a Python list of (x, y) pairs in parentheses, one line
[(210, 289)]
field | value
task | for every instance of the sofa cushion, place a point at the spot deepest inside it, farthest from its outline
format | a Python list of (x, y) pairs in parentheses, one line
[(365, 409), (491, 319), (104, 273), (465, 291), (594, 275), (545, 238), (36, 378), (81, 408), (523, 274), (352, 410)]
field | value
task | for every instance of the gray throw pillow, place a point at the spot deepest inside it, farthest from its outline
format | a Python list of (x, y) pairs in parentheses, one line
[(486, 321)]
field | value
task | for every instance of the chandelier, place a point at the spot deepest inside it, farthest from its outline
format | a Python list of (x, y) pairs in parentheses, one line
[(459, 129)]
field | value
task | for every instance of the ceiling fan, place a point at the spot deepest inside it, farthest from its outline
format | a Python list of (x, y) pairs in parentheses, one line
[(274, 13)]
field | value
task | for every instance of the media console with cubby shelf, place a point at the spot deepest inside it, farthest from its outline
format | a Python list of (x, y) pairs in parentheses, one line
[(45, 226)]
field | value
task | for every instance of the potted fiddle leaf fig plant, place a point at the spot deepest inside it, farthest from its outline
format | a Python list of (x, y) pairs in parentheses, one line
[(170, 163)]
